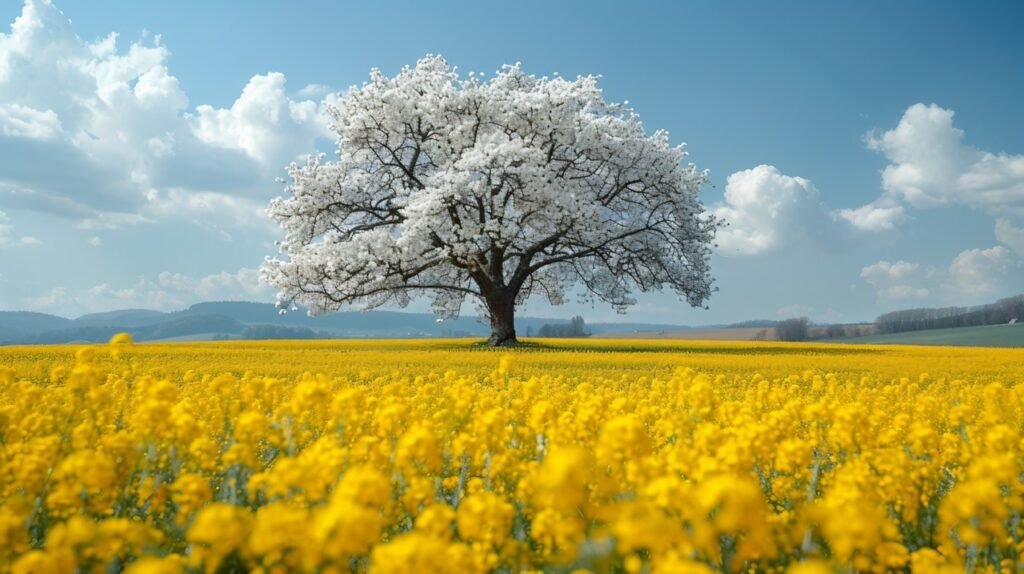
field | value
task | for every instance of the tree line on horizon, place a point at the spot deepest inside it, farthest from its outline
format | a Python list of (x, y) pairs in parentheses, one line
[(576, 327), (1001, 312)]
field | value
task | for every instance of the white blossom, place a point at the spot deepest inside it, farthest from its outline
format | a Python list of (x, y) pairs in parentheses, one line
[(497, 190)]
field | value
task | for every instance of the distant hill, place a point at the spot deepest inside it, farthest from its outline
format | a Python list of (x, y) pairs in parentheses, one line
[(754, 324), (245, 320), (244, 311), (168, 329), (87, 334), (127, 318), (15, 325), (345, 323), (190, 325)]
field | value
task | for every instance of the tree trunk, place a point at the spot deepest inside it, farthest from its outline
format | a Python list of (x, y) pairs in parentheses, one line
[(503, 326)]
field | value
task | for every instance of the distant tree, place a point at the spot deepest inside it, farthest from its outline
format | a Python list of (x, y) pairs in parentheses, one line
[(792, 329), (1012, 308), (279, 332), (835, 331), (945, 317), (576, 327), (495, 190), (529, 331), (761, 335)]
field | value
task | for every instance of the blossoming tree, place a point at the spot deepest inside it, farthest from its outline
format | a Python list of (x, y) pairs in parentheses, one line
[(497, 190)]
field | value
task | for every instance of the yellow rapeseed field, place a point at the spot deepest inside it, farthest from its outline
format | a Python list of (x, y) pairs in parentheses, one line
[(432, 456)]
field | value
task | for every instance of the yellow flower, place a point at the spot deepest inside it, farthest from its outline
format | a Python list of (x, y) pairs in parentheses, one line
[(485, 517), (363, 485), (14, 538), (417, 450), (559, 535), (219, 531), (406, 455), (504, 365), (155, 565), (638, 526), (39, 562), (343, 529), (561, 482), (190, 492), (250, 426), (118, 342), (436, 520), (121, 339), (811, 567), (279, 534), (623, 438), (415, 552)]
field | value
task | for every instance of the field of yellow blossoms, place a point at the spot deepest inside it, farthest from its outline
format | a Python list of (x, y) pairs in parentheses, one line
[(432, 456)]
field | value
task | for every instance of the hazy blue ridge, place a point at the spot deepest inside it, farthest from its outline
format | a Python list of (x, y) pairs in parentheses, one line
[(245, 320)]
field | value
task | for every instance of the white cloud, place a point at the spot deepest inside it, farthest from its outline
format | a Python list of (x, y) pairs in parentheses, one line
[(897, 292), (243, 284), (112, 220), (95, 241), (973, 274), (931, 166), (167, 292), (765, 209), (926, 153), (214, 210), (9, 239), (263, 122), (980, 271), (873, 217), (103, 134), (900, 270), (314, 91), (23, 121), (51, 301), (1010, 235), (896, 281)]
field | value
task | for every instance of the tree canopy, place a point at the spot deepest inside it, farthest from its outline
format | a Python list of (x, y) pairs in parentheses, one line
[(497, 190)]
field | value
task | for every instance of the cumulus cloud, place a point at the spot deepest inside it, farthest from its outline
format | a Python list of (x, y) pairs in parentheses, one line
[(897, 280), (23, 121), (112, 220), (765, 209), (263, 122), (873, 217), (978, 271), (214, 209), (167, 292), (973, 272), (1010, 235), (9, 239), (103, 133), (314, 91), (931, 166)]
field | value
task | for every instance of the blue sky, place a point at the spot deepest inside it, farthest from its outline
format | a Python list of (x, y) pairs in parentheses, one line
[(870, 155)]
